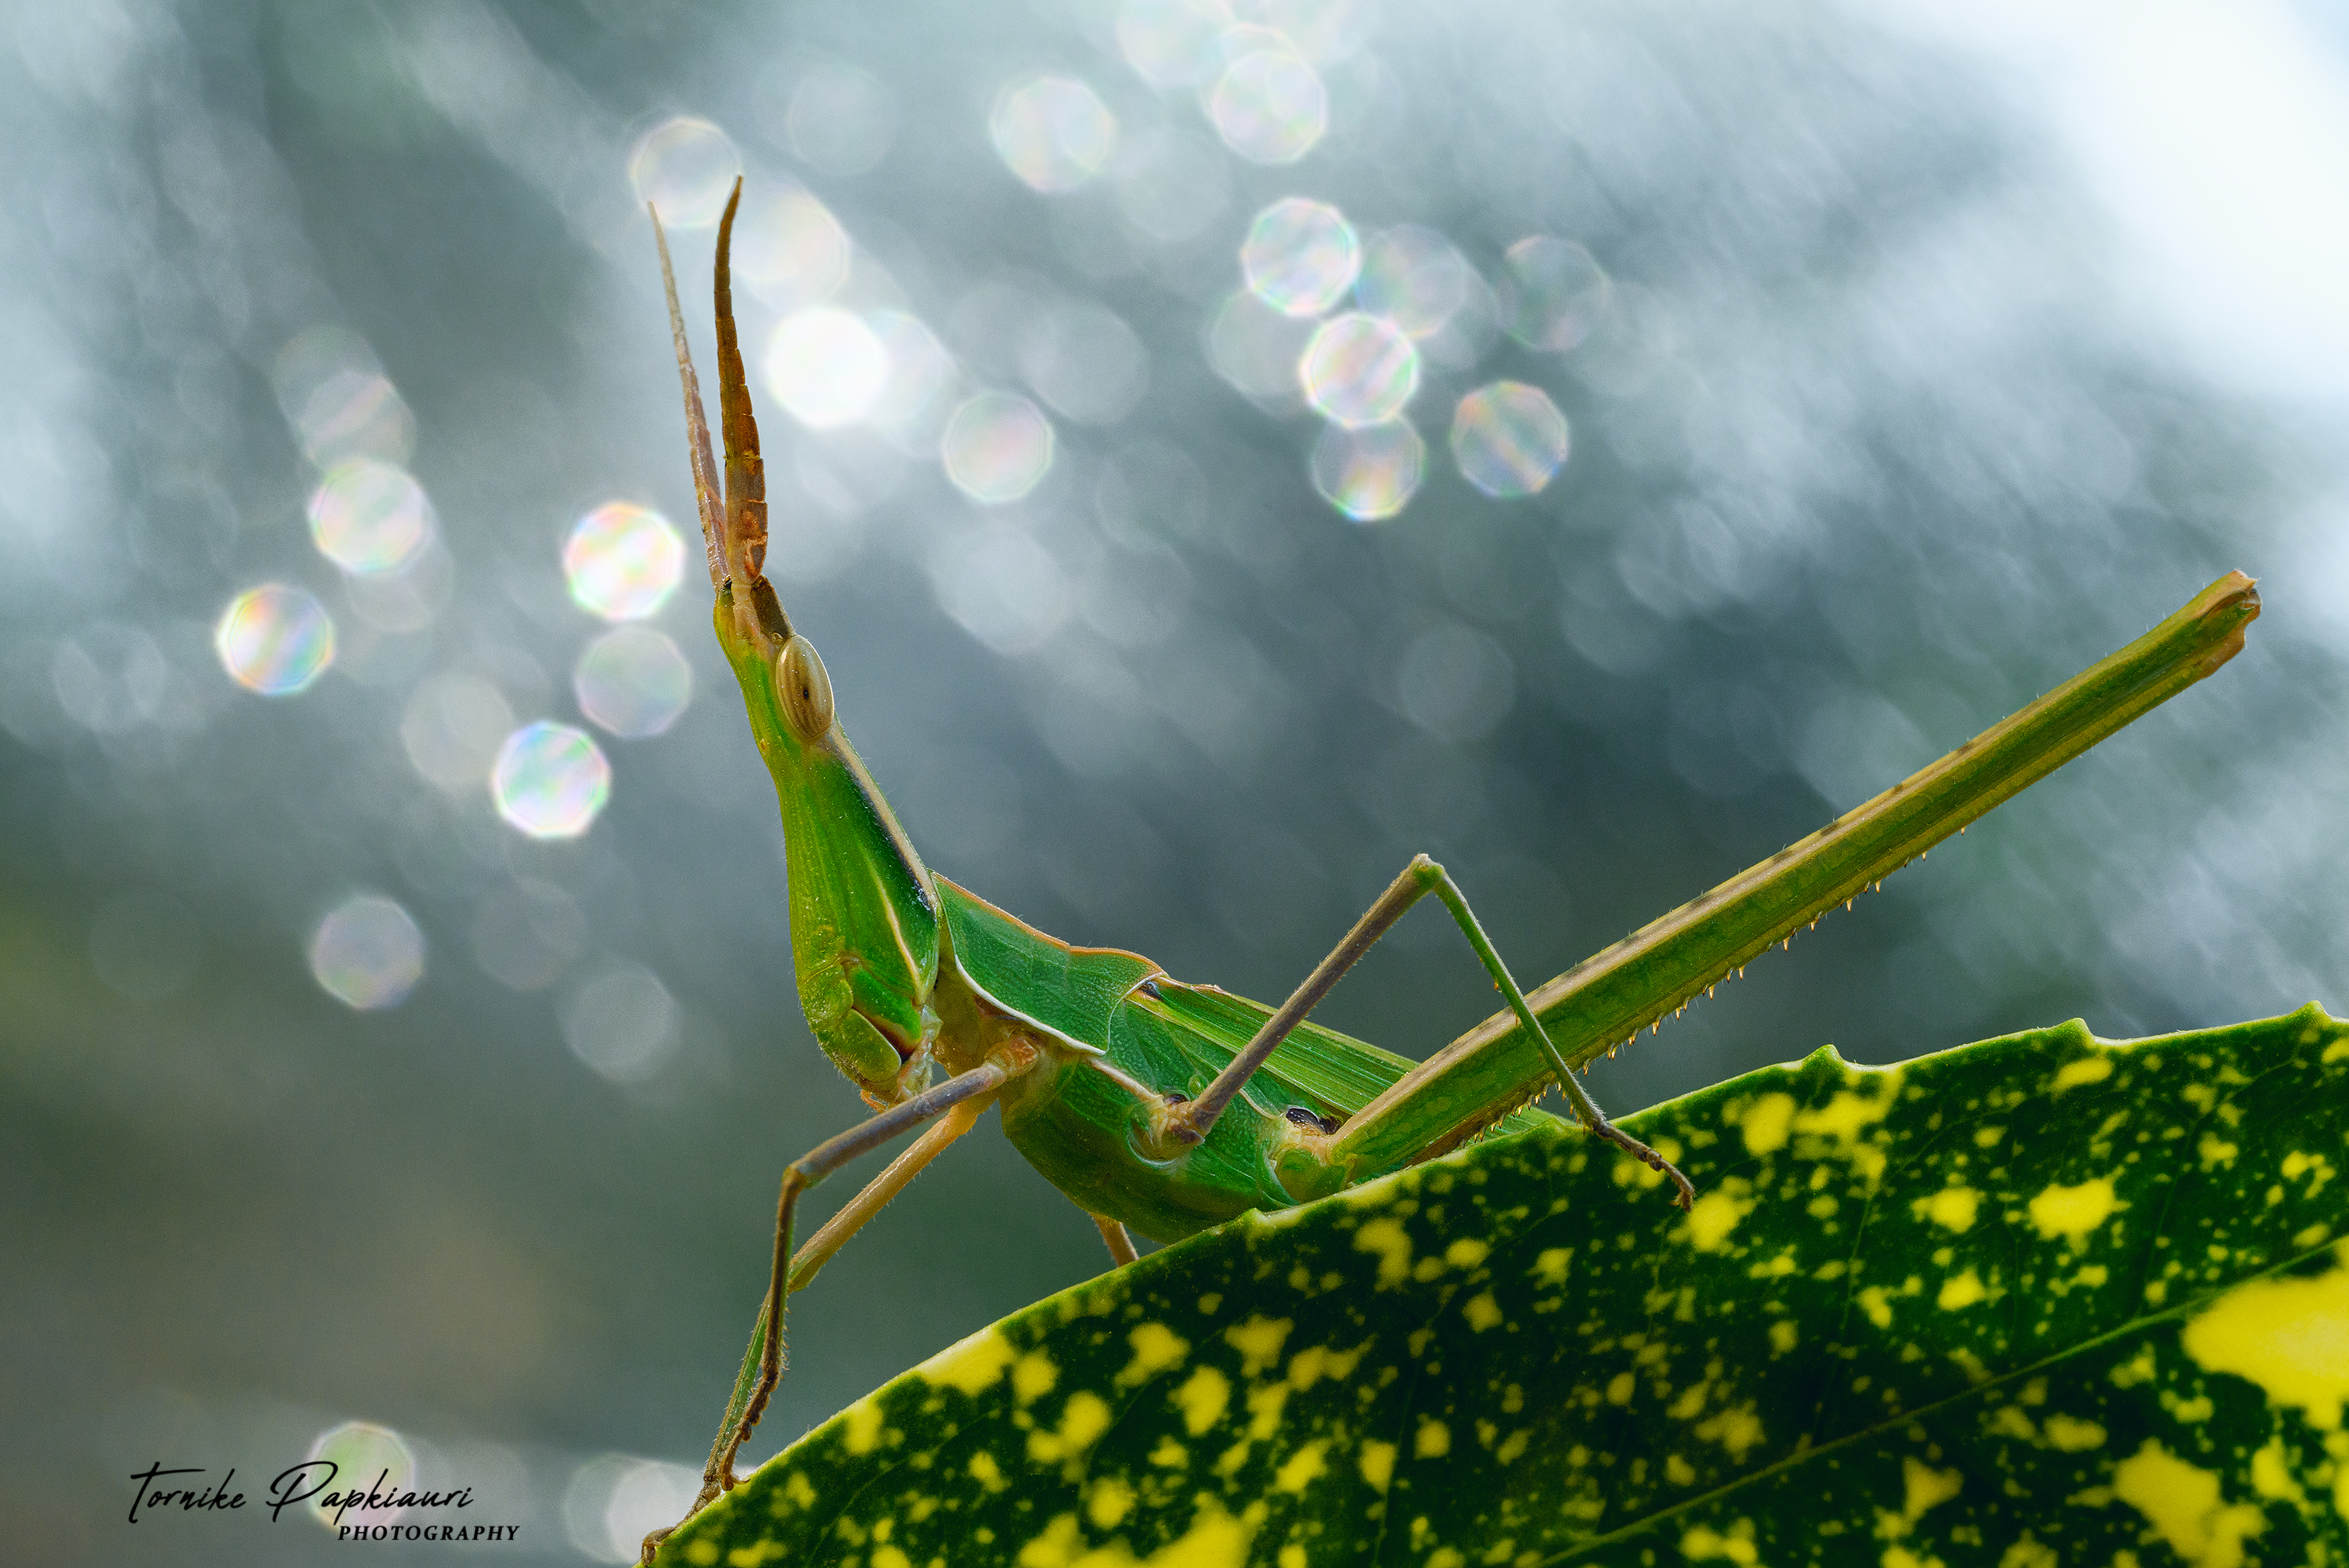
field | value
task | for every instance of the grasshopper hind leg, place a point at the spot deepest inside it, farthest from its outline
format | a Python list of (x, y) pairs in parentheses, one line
[(1432, 878), (1423, 876)]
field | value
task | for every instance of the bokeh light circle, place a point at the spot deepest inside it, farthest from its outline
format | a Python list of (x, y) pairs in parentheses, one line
[(1000, 585), (613, 1499), (1372, 474), (369, 516), (633, 681), (1270, 105), (1053, 132), (1255, 348), (686, 168), (352, 414), (1300, 257), (826, 366), (333, 391), (549, 780), (1172, 188), (452, 729), (1173, 43), (1456, 683), (1359, 369), (841, 119), (790, 250), (274, 640), (369, 1457), (996, 446), (912, 411), (1508, 439), (1413, 277), (623, 561), (1086, 362), (622, 1022), (1320, 30), (367, 953), (1553, 293)]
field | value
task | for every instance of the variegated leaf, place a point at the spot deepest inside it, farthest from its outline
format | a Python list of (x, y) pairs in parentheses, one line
[(2043, 1300)]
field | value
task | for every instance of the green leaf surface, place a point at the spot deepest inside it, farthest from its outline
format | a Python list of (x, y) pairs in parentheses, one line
[(2043, 1300)]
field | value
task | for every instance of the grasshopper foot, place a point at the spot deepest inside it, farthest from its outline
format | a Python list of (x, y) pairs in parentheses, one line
[(1647, 1157), (1594, 1121), (712, 1491)]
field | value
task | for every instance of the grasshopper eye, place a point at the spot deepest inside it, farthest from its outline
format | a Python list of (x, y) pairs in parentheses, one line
[(804, 690)]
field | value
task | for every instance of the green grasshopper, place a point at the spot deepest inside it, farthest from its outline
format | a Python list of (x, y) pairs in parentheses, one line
[(1164, 1108)]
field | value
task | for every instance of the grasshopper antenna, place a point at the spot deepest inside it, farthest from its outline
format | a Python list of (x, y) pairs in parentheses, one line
[(706, 494)]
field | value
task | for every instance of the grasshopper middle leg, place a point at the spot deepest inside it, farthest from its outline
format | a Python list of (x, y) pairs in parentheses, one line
[(1113, 1235)]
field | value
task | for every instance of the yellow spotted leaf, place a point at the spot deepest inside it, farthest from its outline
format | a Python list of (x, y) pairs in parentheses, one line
[(1890, 1339)]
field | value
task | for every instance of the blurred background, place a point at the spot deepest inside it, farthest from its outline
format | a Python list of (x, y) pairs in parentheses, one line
[(1219, 452)]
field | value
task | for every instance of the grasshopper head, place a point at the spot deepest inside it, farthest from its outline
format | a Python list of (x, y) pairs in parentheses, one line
[(864, 922)]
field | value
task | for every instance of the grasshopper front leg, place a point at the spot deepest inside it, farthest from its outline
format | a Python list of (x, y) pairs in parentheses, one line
[(960, 1101)]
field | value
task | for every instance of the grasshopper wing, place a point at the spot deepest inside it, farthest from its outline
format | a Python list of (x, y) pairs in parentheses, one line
[(1333, 1074)]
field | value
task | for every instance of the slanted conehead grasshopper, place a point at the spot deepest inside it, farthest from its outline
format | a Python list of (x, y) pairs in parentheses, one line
[(1164, 1108)]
